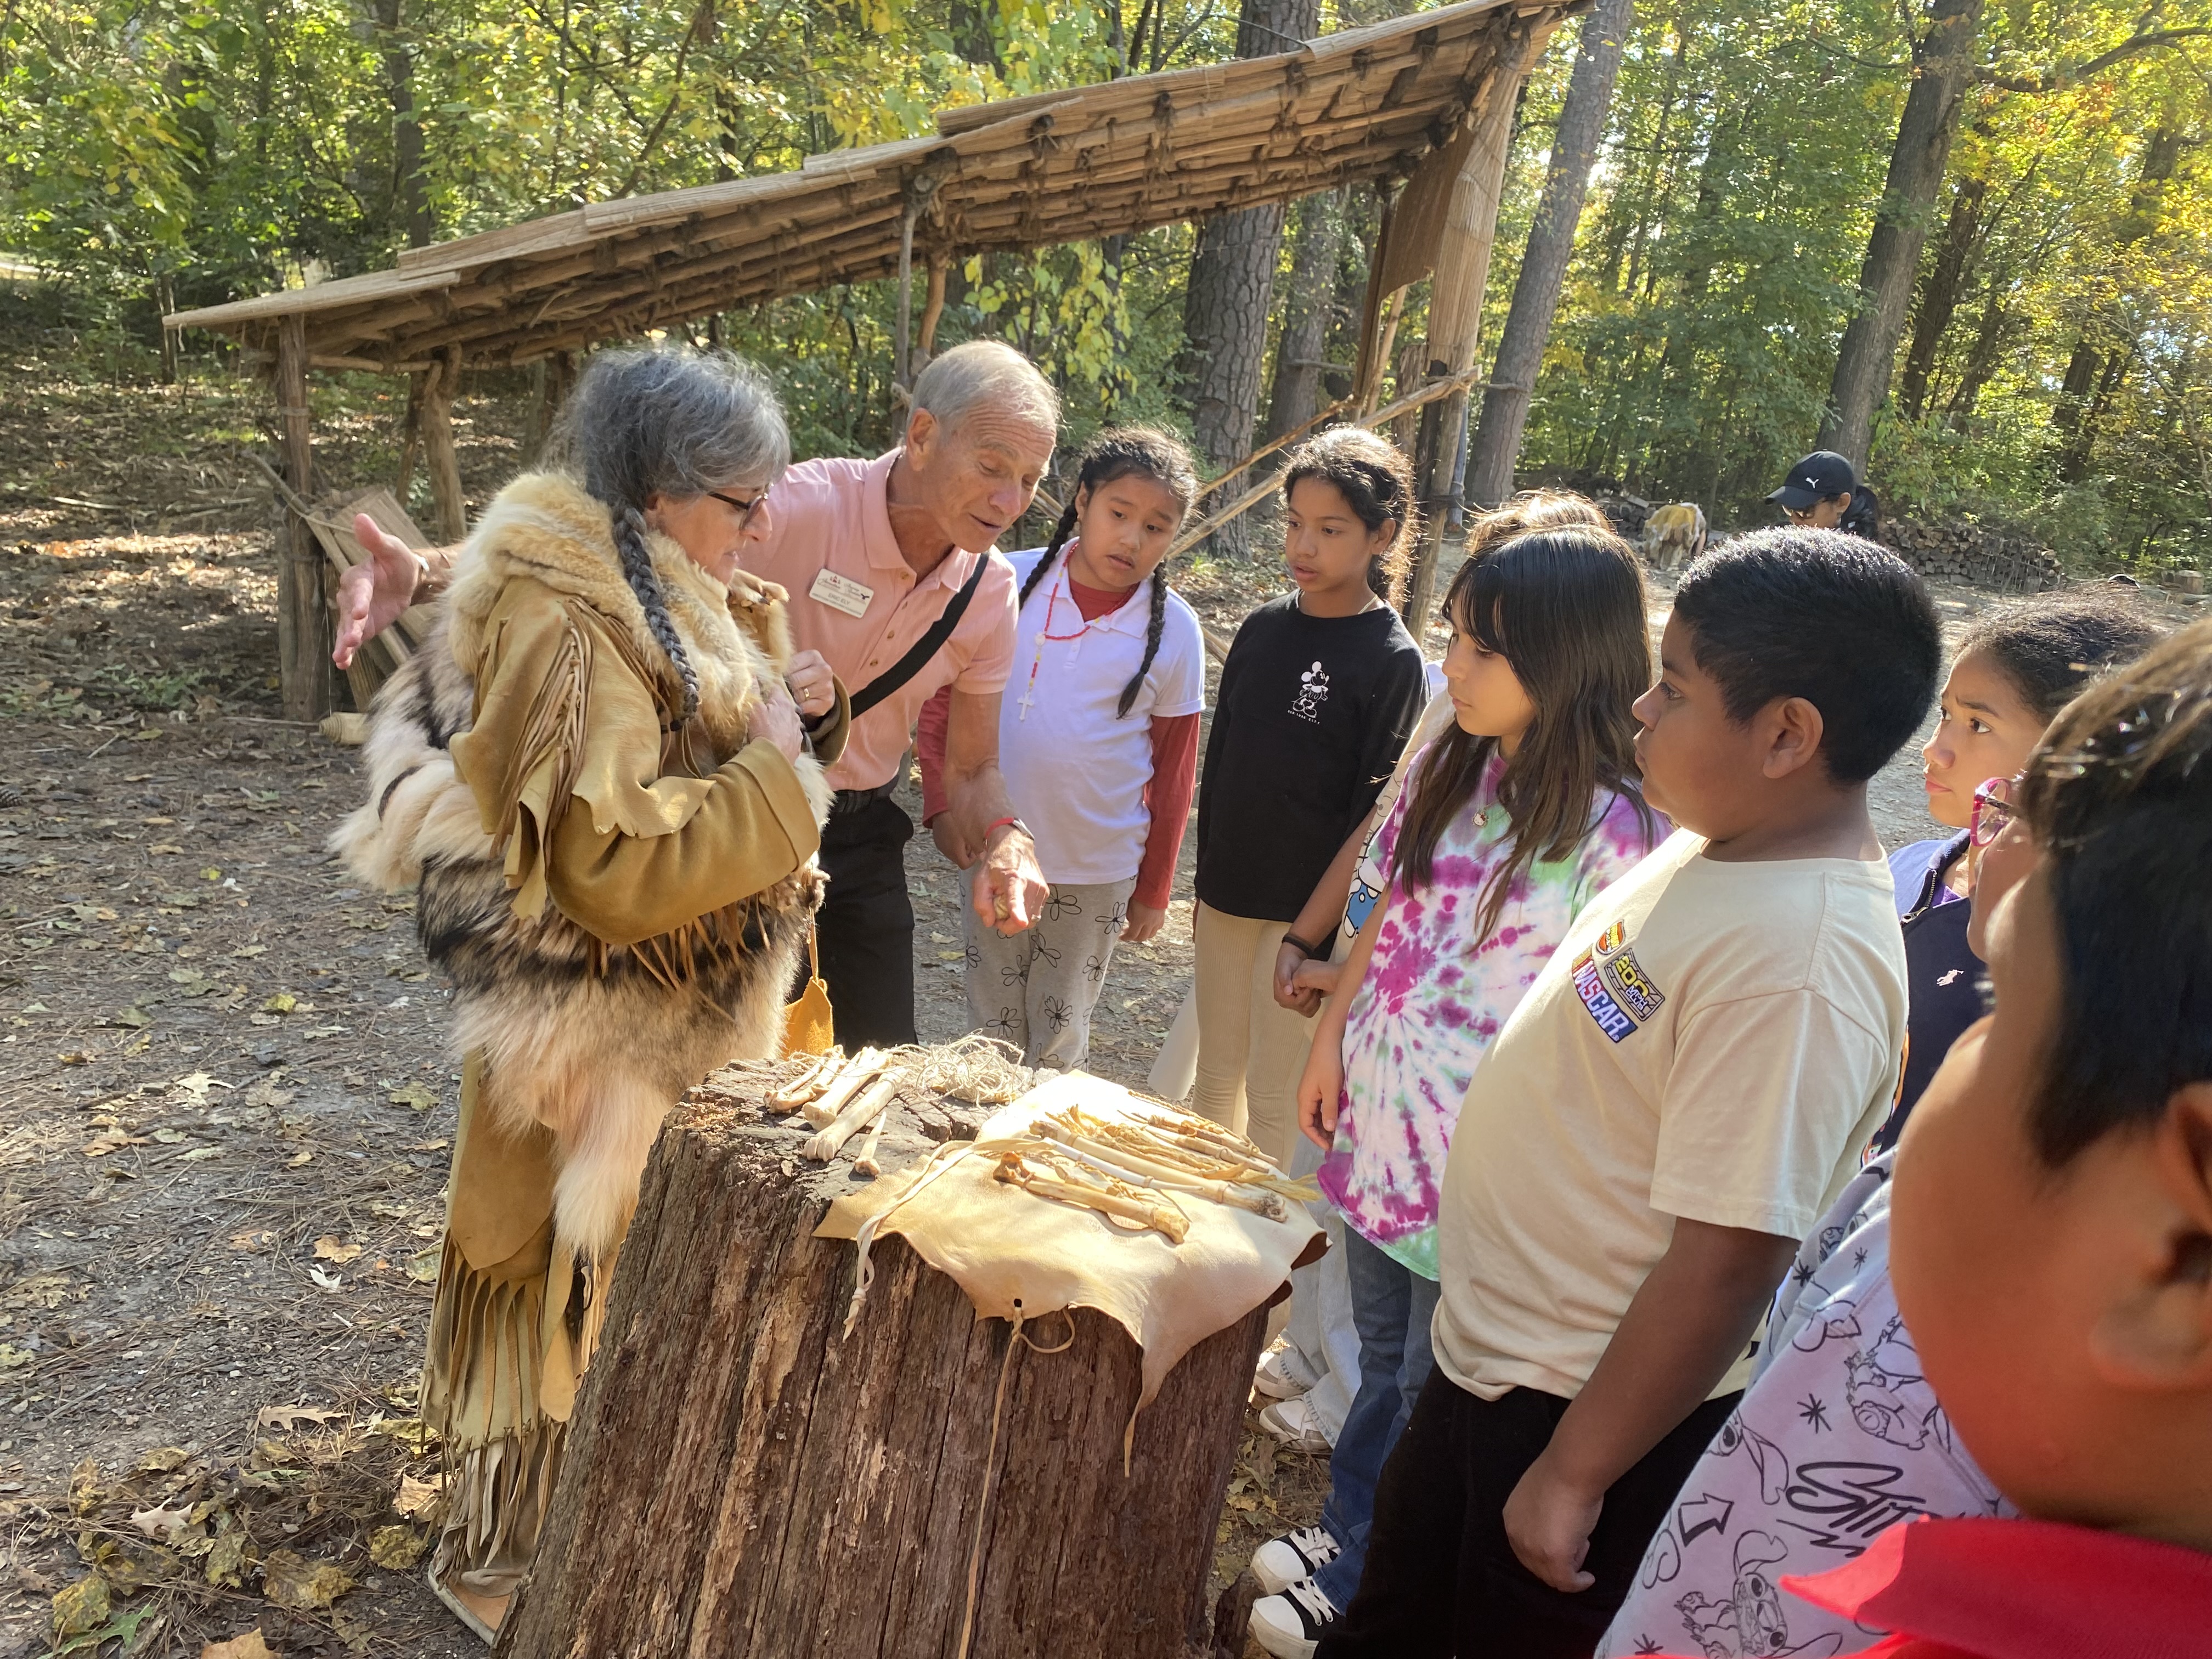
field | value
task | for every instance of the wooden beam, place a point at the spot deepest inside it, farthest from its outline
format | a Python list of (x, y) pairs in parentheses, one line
[(304, 634), (438, 455), (1462, 266)]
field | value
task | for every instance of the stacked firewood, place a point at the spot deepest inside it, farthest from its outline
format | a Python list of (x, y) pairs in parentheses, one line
[(1957, 550)]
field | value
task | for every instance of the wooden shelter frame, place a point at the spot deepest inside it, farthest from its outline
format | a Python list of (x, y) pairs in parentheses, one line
[(1409, 100)]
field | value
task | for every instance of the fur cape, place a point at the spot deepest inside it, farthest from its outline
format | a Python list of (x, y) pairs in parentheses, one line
[(592, 1040)]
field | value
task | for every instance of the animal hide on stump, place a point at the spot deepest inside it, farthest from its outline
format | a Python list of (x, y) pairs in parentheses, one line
[(740, 1481)]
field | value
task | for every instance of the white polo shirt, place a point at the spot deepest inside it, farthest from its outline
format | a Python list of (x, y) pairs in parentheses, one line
[(1074, 771)]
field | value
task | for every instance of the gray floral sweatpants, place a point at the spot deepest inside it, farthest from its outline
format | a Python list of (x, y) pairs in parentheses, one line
[(1037, 989)]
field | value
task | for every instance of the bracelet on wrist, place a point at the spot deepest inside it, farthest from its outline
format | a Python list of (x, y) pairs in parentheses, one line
[(1305, 949), (998, 824)]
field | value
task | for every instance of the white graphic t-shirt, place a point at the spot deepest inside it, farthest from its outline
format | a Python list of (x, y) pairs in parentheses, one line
[(1838, 1438)]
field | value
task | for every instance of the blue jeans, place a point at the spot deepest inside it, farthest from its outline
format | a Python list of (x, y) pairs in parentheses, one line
[(1391, 1307)]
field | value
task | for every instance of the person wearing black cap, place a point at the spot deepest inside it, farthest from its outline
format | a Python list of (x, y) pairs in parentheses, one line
[(1823, 492)]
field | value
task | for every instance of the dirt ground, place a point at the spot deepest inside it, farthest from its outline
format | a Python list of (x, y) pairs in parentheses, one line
[(225, 1105)]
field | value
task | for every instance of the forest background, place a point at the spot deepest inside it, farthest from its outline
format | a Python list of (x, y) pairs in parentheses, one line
[(2048, 365)]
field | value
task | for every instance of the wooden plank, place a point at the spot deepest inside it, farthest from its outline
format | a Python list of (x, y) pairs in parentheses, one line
[(376, 287)]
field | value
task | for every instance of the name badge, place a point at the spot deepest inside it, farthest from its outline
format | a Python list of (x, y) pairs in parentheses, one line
[(841, 594)]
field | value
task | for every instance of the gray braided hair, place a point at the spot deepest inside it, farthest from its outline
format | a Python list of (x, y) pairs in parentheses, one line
[(668, 421)]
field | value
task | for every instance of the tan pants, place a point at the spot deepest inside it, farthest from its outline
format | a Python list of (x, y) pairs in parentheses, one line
[(1250, 1050)]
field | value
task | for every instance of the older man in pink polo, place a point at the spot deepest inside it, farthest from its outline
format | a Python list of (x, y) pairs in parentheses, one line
[(895, 580)]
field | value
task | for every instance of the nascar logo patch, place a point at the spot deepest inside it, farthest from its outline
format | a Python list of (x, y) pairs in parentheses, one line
[(1625, 978), (1590, 987)]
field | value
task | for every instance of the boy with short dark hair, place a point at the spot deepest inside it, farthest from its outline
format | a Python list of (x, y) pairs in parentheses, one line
[(2050, 1238), (1680, 1094)]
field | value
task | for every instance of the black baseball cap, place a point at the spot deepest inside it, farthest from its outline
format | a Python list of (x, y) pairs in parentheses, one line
[(1820, 475)]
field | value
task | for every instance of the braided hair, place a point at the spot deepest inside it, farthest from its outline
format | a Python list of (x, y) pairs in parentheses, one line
[(1125, 452), (668, 421), (1376, 482)]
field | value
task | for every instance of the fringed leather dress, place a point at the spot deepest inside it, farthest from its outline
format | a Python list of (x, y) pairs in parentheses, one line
[(620, 902)]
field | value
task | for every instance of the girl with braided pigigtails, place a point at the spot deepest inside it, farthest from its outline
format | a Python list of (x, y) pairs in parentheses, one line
[(1097, 739), (603, 771)]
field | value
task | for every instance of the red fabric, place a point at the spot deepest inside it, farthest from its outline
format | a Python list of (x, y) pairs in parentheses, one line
[(1096, 602), (929, 729), (1167, 796), (2021, 1589)]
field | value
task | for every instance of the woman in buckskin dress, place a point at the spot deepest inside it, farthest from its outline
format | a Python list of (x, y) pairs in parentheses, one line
[(604, 772)]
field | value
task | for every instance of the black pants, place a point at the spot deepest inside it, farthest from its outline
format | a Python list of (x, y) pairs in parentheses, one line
[(867, 925), (1441, 1579)]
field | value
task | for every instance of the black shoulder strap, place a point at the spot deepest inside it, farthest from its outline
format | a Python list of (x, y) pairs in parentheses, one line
[(923, 649)]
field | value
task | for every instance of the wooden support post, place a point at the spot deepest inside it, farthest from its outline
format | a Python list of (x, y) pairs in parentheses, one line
[(411, 436), (741, 1480), (438, 456), (1374, 332), (901, 364), (1462, 266), (933, 307), (304, 632)]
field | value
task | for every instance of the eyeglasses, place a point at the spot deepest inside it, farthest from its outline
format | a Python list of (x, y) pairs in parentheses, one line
[(1994, 808), (745, 509)]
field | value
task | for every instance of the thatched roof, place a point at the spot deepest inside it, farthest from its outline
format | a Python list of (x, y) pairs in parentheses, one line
[(1024, 173)]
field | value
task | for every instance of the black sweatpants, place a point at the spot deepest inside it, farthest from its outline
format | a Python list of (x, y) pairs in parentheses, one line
[(866, 927), (1442, 1580)]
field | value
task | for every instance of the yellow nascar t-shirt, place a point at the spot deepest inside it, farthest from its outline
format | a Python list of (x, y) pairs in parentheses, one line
[(1712, 1040)]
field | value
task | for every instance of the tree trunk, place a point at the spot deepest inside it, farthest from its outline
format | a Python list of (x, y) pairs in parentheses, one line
[(1301, 352), (1232, 276), (1942, 69), (1983, 357), (740, 1481), (1496, 446), (2092, 372), (1462, 271), (410, 198), (1939, 294)]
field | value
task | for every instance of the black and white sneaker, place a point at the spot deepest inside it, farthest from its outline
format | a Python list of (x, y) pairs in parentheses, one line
[(1292, 1559), (1290, 1625)]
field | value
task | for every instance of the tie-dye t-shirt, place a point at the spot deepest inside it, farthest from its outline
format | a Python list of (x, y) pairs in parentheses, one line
[(1434, 996)]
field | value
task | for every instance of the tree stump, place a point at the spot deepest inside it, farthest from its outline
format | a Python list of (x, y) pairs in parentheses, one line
[(740, 1481)]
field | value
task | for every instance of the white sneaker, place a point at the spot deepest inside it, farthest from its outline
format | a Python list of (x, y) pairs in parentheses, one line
[(1292, 1559), (1280, 1374), (1290, 1625), (1294, 1425)]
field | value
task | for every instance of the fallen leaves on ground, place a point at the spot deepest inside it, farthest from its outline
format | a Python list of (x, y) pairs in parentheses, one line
[(329, 1248), (81, 1608), (414, 1094), (418, 1498), (290, 1580), (397, 1547), (251, 1646), (160, 1522)]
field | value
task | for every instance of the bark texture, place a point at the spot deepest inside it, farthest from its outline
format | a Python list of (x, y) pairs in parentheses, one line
[(1940, 291), (1942, 69), (1232, 276), (740, 1482), (303, 618), (1300, 348), (1495, 449)]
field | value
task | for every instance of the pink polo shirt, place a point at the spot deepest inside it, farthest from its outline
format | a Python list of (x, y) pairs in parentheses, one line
[(831, 515)]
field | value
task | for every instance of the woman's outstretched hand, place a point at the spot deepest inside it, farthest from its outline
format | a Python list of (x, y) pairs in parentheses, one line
[(372, 595)]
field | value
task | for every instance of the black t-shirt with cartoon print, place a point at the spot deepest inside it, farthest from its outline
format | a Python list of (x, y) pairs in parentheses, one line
[(1310, 719)]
